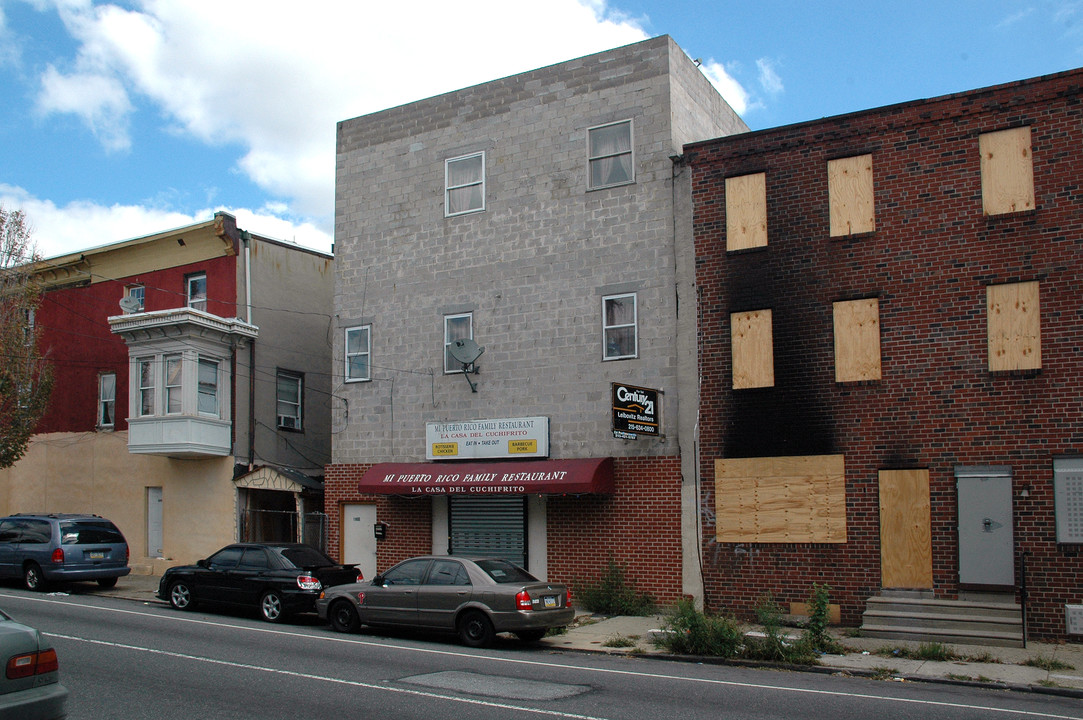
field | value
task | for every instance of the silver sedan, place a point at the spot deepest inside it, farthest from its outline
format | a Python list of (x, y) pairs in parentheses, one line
[(475, 597)]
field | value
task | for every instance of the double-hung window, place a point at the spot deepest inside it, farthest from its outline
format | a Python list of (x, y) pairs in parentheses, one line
[(207, 387), (289, 387), (107, 400), (197, 291), (174, 388), (137, 294), (464, 184), (619, 327), (146, 386), (456, 327), (610, 155), (358, 352)]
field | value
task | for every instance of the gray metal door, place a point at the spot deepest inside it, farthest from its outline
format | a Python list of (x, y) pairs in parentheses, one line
[(495, 527), (986, 555), (154, 522)]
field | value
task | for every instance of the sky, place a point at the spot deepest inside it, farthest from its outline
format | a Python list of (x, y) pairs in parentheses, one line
[(125, 119)]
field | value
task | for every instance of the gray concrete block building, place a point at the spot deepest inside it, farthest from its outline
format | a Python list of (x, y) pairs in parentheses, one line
[(514, 334)]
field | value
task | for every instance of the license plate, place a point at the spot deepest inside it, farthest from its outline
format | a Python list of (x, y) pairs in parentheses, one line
[(97, 555), (550, 601)]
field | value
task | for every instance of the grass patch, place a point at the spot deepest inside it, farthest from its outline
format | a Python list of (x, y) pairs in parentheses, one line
[(883, 673), (619, 641), (613, 594), (934, 651), (983, 657), (556, 631), (1047, 664)]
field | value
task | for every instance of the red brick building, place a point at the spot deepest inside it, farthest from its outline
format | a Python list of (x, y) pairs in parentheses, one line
[(891, 331)]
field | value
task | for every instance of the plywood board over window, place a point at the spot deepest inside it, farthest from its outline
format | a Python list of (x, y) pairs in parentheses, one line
[(781, 499), (752, 349), (857, 340), (746, 212), (1014, 326), (1007, 171), (850, 195)]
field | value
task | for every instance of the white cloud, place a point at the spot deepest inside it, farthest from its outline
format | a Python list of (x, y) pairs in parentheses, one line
[(769, 79), (59, 230), (273, 77)]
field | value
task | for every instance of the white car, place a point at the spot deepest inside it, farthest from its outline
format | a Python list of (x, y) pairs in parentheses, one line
[(30, 686)]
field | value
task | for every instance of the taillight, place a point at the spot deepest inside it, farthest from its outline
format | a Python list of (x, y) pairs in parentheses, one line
[(127, 554), (35, 663), (522, 601), (308, 582), (360, 576), (568, 600), (58, 556)]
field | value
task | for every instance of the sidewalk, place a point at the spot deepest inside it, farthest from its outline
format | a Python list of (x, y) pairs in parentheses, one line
[(1001, 668)]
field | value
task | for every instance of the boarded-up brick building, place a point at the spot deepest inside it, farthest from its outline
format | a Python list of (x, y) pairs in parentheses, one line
[(891, 333)]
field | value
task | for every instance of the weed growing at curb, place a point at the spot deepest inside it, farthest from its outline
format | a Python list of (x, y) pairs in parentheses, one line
[(613, 594), (1047, 664), (619, 641)]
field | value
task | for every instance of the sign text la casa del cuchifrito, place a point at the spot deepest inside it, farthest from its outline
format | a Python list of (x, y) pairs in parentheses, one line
[(636, 411)]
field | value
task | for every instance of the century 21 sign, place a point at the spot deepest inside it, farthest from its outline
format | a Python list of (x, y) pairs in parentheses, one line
[(636, 411)]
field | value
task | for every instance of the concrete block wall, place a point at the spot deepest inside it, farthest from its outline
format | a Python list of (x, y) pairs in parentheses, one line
[(929, 261)]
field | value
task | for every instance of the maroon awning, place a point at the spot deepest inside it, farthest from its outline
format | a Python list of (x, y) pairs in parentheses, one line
[(553, 477)]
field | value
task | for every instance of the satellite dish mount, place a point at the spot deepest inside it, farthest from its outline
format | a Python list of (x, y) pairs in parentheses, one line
[(466, 351)]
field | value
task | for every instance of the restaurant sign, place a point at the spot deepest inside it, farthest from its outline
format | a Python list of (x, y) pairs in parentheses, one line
[(636, 411), (526, 437)]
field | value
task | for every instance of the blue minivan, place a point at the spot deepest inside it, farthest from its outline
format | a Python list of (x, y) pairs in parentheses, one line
[(54, 548)]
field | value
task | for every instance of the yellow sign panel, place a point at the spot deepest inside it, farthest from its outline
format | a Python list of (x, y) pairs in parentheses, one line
[(518, 447), (445, 449)]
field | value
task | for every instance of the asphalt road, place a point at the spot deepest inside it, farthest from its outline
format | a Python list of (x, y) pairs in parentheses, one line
[(124, 660)]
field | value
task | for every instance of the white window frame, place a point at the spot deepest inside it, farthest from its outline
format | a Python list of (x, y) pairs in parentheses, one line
[(106, 399), (173, 392), (139, 294), (607, 328), (294, 421), (449, 187), (364, 352), (201, 385), (148, 385), (593, 158), (195, 302), (451, 365)]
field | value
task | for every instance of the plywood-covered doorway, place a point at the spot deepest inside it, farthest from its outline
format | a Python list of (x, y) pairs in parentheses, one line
[(906, 550)]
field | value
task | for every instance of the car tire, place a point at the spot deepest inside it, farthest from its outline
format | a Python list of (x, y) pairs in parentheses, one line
[(180, 596), (343, 617), (476, 629), (270, 607), (532, 635), (107, 582), (33, 579)]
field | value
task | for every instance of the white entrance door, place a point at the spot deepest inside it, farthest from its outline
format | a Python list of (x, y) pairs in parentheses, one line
[(154, 522), (358, 538)]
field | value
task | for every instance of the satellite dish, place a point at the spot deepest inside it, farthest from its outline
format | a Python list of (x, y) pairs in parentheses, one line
[(129, 304), (466, 351)]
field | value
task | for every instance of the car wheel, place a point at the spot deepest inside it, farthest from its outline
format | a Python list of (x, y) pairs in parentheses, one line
[(180, 596), (343, 617), (32, 577), (270, 607), (107, 582), (476, 629), (532, 635)]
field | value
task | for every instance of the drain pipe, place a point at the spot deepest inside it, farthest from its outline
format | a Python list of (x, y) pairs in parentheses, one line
[(1023, 591), (246, 237)]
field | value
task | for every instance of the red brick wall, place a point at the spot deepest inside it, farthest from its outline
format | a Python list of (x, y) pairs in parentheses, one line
[(929, 261), (639, 526)]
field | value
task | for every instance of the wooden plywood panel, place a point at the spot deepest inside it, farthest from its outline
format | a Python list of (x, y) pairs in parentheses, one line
[(1014, 327), (1007, 171), (752, 349), (857, 340), (850, 192), (746, 212), (781, 499), (906, 550)]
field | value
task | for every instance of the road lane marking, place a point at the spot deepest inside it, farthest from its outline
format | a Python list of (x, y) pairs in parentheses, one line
[(384, 646), (326, 678)]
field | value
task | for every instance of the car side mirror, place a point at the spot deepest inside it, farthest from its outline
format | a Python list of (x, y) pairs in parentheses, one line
[(201, 563), (378, 580)]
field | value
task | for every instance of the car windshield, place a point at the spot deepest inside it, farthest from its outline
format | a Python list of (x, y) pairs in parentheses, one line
[(89, 532), (306, 557), (502, 571)]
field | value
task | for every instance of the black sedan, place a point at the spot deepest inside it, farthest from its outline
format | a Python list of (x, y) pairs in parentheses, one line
[(475, 598), (279, 578)]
